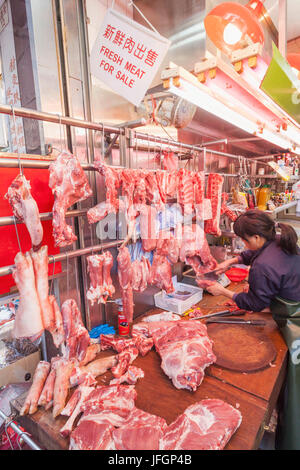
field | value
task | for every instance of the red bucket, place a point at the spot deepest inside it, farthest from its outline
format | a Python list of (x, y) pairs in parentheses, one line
[(237, 274)]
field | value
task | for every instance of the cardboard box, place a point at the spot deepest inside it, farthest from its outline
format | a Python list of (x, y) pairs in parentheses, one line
[(21, 370)]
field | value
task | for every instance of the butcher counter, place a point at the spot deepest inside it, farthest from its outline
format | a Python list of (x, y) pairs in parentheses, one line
[(255, 394)]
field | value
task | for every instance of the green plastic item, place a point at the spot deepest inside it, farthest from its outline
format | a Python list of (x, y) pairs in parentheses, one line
[(286, 313)]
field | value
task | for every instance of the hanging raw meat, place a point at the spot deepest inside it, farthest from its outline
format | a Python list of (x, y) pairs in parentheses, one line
[(25, 208), (69, 185), (112, 184), (148, 226), (162, 182), (139, 193), (161, 273), (140, 274), (99, 267), (77, 339), (152, 191), (170, 161), (194, 248), (168, 245), (225, 209), (214, 193), (52, 318), (199, 191), (186, 191), (29, 320), (125, 275)]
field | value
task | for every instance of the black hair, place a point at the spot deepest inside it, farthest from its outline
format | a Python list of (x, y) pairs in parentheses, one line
[(256, 222)]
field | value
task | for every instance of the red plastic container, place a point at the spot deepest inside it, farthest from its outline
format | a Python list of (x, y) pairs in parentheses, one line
[(237, 274)]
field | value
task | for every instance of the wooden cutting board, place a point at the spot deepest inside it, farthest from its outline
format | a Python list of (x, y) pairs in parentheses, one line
[(241, 348)]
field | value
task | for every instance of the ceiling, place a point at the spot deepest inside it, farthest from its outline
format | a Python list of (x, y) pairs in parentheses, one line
[(293, 15)]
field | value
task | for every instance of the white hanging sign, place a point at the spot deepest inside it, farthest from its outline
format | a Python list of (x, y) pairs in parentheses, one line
[(126, 56)]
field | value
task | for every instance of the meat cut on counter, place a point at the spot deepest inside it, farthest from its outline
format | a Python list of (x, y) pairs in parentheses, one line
[(185, 350), (206, 425)]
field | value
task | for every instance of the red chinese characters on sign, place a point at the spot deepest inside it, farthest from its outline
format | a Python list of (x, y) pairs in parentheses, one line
[(127, 56), (139, 50)]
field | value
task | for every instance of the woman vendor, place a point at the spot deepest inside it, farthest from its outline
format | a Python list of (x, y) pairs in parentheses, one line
[(274, 261), (274, 286)]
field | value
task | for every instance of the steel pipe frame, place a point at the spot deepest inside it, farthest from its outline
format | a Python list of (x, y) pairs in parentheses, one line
[(20, 433), (10, 220), (6, 270), (55, 118)]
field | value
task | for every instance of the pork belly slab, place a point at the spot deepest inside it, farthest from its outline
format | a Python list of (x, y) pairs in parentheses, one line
[(206, 425)]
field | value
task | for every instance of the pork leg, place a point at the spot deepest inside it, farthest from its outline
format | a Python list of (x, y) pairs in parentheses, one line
[(31, 403), (28, 321)]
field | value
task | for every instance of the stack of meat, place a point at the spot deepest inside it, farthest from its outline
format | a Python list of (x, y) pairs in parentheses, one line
[(78, 366), (111, 421), (99, 267), (184, 347)]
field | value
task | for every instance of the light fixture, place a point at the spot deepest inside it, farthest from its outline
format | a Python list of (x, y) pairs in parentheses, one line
[(184, 84), (231, 26)]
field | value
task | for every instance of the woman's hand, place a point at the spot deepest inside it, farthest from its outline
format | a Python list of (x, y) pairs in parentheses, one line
[(218, 289), (224, 266)]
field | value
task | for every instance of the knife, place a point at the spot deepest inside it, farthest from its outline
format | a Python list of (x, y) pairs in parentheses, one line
[(211, 275), (238, 322), (223, 313)]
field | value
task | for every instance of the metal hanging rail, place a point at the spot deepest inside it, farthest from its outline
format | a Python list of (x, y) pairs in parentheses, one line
[(22, 435), (64, 120), (6, 270), (10, 220), (58, 119)]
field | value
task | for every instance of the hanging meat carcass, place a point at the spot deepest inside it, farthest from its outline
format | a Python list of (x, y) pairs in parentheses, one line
[(112, 203), (69, 185), (76, 336), (214, 193), (140, 274), (161, 273), (51, 314), (125, 275), (25, 208), (225, 210), (99, 267), (199, 191), (185, 191), (194, 248), (29, 319)]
